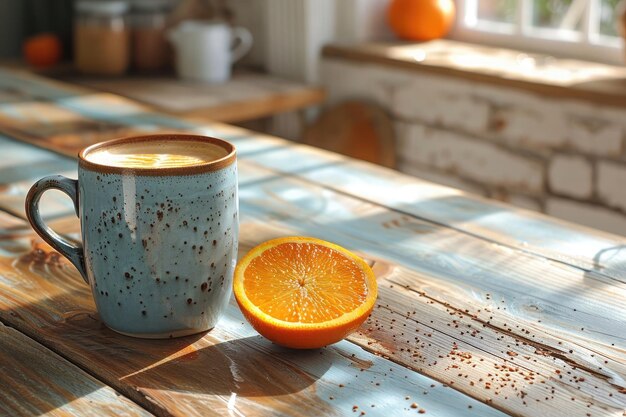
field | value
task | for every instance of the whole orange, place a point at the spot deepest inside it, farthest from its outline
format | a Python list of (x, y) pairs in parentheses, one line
[(42, 50), (421, 20)]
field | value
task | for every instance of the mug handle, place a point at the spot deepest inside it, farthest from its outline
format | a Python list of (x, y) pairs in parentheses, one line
[(73, 252), (244, 38)]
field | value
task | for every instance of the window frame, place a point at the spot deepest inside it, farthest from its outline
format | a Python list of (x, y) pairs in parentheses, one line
[(589, 45)]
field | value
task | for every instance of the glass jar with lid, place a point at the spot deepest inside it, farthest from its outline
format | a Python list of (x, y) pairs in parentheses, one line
[(101, 37), (151, 51)]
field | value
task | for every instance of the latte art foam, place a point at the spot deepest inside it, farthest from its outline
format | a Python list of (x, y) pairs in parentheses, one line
[(157, 154)]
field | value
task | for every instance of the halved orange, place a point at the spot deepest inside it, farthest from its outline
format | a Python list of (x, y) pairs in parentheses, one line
[(304, 293)]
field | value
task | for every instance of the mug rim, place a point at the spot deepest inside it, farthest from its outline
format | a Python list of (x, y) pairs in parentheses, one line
[(199, 168)]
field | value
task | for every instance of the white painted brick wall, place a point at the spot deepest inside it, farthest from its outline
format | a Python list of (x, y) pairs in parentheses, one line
[(611, 184), (595, 136), (517, 118), (607, 114), (346, 81), (541, 126), (441, 102), (571, 176), (563, 156), (472, 159)]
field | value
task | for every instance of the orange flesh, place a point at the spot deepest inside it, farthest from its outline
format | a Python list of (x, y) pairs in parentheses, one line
[(305, 283)]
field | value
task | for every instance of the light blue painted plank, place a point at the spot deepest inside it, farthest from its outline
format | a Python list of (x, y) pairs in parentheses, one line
[(438, 401), (232, 351), (33, 85), (341, 367), (21, 165), (18, 159), (331, 171), (504, 224), (474, 216), (563, 298), (541, 235), (401, 193)]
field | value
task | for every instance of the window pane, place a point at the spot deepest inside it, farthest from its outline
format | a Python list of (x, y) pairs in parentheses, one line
[(558, 14), (608, 18), (497, 10)]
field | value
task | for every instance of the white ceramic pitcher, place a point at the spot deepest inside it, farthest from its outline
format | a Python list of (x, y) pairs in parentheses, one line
[(206, 50)]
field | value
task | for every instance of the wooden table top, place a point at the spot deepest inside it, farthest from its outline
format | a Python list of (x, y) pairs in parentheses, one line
[(247, 96), (483, 309)]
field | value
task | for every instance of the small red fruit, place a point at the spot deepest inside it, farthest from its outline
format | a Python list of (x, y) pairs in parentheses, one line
[(43, 50)]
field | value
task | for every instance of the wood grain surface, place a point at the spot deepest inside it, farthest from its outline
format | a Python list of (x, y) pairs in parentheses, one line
[(230, 370), (547, 313), (524, 230), (520, 311), (266, 193), (246, 96), (36, 382), (547, 237), (468, 279)]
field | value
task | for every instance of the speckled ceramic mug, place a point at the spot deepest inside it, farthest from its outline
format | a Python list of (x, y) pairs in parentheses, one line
[(159, 244)]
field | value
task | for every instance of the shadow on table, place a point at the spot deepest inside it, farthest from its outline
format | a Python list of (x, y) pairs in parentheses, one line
[(139, 368), (249, 367), (611, 261), (37, 382)]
